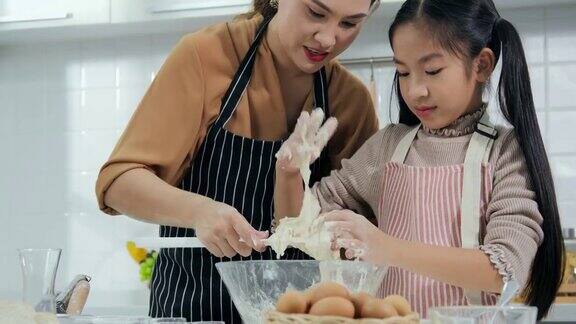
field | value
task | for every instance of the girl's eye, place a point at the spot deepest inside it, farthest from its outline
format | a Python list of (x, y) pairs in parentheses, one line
[(402, 75), (315, 14), (348, 25), (435, 72)]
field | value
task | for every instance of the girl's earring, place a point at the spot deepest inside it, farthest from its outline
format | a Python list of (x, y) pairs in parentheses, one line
[(274, 4)]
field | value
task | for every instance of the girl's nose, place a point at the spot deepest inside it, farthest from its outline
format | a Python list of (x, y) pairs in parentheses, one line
[(418, 90)]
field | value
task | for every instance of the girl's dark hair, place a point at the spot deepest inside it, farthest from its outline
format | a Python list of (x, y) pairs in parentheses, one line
[(464, 28), (264, 8)]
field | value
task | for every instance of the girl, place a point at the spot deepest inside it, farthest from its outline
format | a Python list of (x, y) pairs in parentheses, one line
[(461, 205)]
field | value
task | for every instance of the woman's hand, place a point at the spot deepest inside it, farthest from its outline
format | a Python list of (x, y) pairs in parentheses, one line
[(306, 142), (225, 232), (358, 237)]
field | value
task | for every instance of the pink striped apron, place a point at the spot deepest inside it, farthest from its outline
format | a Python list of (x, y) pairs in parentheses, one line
[(425, 204)]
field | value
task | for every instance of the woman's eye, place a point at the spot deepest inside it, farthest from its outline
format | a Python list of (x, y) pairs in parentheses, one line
[(434, 72), (315, 14), (402, 75)]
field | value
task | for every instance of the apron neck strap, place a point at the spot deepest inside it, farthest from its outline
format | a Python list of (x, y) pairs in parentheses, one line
[(241, 78), (488, 131), (244, 73), (484, 128), (404, 146)]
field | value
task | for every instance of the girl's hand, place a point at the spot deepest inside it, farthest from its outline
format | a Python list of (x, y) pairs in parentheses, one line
[(358, 236), (306, 142)]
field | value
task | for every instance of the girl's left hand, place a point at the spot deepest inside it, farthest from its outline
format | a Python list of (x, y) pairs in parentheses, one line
[(358, 236)]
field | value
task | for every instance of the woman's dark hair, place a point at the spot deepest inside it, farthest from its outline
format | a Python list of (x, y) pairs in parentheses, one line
[(465, 28), (264, 8)]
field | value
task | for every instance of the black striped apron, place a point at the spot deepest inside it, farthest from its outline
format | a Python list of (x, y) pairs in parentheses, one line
[(237, 171)]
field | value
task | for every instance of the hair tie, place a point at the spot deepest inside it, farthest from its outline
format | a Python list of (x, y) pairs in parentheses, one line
[(496, 24)]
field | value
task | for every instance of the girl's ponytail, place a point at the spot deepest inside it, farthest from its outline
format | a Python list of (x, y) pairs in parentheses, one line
[(517, 105)]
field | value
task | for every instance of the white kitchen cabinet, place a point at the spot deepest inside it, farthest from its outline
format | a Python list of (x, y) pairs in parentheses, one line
[(37, 14), (126, 11), (30, 21)]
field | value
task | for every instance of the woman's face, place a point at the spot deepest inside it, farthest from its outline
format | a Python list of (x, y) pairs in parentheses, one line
[(312, 32)]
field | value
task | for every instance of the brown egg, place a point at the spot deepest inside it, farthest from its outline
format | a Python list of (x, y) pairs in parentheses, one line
[(400, 303), (309, 292), (292, 302), (378, 308), (328, 289), (359, 300), (333, 306)]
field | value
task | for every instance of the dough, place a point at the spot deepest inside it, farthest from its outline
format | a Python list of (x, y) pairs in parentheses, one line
[(305, 232), (21, 313)]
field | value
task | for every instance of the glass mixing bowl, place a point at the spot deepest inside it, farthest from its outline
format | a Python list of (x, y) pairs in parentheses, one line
[(256, 285)]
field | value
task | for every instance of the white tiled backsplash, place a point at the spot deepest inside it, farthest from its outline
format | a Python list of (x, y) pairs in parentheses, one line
[(62, 107)]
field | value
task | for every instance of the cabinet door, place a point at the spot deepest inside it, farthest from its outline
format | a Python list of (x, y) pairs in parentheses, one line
[(150, 10), (32, 14)]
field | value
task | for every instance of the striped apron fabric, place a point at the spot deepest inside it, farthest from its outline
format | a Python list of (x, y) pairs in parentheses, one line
[(425, 204), (237, 171)]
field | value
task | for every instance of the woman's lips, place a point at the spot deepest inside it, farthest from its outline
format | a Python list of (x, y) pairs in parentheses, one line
[(315, 56)]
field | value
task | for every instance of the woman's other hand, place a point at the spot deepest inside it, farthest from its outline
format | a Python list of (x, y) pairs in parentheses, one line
[(307, 141)]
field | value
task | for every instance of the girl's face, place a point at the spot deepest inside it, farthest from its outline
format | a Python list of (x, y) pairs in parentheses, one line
[(313, 32), (437, 86)]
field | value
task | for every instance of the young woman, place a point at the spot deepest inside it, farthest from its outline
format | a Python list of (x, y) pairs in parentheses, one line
[(198, 155)]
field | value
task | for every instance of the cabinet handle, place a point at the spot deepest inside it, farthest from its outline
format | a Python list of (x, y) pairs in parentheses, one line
[(196, 5), (15, 19)]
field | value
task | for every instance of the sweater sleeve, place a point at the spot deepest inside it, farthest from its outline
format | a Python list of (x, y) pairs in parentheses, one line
[(357, 183), (513, 229)]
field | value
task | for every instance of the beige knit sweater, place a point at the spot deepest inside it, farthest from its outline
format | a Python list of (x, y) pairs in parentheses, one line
[(513, 231)]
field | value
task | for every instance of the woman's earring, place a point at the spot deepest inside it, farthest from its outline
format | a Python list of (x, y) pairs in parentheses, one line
[(274, 4)]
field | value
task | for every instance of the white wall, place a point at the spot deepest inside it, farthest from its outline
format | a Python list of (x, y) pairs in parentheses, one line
[(62, 107)]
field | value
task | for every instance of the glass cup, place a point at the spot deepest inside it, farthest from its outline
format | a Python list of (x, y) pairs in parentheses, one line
[(39, 267)]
